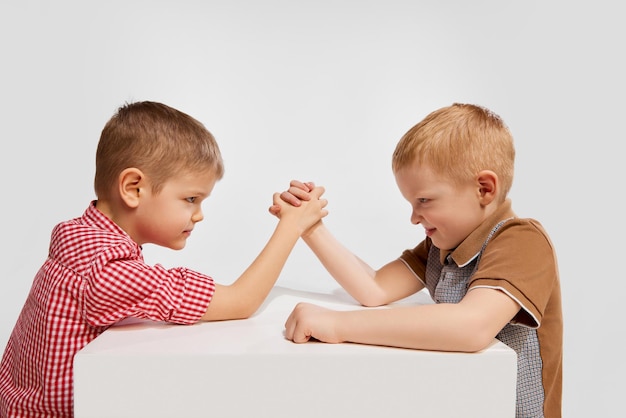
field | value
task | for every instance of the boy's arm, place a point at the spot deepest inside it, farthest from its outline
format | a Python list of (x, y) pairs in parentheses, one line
[(469, 326), (243, 297), (370, 287)]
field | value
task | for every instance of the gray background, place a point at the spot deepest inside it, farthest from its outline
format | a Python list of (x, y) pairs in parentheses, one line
[(322, 91)]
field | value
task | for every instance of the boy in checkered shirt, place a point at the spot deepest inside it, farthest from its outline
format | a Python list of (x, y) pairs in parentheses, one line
[(155, 166)]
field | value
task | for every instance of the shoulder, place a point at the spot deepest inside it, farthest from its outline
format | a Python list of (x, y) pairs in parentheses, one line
[(76, 242), (525, 234), (76, 230), (519, 244), (520, 260)]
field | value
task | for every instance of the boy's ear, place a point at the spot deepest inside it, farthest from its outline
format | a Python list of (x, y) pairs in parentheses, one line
[(131, 181), (487, 186)]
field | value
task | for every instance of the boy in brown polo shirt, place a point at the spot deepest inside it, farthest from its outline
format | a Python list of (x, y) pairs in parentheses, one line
[(491, 274)]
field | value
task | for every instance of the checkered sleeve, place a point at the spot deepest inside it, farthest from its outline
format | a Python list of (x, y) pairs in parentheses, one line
[(119, 285)]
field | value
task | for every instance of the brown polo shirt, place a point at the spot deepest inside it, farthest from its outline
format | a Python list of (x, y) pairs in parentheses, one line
[(516, 257)]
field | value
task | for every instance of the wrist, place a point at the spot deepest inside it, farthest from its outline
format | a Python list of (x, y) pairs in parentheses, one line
[(308, 233)]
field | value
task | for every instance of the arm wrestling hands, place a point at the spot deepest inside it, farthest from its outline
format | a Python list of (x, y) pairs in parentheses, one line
[(306, 317)]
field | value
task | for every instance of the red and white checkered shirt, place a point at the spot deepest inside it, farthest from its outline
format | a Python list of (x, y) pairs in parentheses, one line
[(94, 276)]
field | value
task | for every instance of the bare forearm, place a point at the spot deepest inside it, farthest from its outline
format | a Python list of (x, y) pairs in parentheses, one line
[(243, 297), (259, 278), (439, 327), (353, 274)]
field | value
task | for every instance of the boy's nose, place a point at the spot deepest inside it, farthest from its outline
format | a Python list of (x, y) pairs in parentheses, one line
[(198, 216)]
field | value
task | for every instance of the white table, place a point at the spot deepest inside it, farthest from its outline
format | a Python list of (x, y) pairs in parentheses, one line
[(248, 369)]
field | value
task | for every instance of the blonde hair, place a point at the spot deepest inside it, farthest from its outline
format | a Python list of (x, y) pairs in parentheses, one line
[(157, 139), (459, 141)]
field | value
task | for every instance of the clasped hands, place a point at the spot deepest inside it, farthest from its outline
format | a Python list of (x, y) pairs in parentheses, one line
[(306, 321), (296, 193)]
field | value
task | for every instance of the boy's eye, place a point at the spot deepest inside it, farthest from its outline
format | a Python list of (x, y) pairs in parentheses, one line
[(422, 200), (191, 199)]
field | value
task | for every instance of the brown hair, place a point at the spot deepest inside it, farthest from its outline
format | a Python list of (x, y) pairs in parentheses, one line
[(459, 141), (157, 139)]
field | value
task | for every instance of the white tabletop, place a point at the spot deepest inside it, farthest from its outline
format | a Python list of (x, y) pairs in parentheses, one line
[(247, 368)]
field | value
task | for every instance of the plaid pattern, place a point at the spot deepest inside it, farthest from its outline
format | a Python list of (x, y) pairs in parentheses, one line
[(94, 276)]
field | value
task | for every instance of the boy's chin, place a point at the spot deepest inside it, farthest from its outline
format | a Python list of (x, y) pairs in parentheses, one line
[(177, 246)]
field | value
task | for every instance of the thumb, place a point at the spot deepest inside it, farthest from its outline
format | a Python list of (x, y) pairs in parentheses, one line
[(274, 209)]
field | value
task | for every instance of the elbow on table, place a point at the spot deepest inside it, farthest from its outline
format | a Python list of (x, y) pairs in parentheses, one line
[(475, 345), (225, 315), (371, 303), (233, 301), (372, 299), (474, 339)]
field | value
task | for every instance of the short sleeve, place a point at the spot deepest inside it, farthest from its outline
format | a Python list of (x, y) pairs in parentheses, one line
[(416, 259), (520, 260)]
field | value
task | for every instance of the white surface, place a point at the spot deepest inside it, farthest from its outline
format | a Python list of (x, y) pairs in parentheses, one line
[(248, 369)]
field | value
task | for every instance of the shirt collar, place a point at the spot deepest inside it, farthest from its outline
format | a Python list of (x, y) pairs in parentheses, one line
[(94, 217), (470, 247)]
